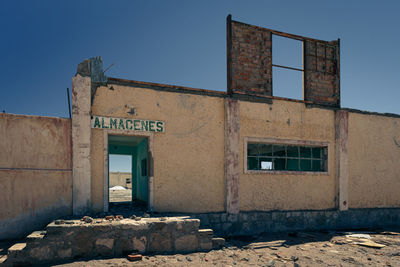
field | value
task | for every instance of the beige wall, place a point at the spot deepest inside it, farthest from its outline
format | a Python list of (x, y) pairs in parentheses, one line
[(35, 172), (291, 121), (374, 161), (188, 157), (119, 178)]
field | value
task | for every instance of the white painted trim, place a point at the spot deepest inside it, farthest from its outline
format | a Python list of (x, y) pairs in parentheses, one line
[(150, 148), (275, 141)]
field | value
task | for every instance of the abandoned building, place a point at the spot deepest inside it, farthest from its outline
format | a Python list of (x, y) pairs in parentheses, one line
[(241, 161)]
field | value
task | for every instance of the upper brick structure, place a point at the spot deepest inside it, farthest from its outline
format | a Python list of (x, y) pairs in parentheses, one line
[(322, 73), (249, 51), (250, 55)]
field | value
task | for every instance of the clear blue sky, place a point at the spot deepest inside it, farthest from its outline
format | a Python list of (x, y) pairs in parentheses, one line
[(184, 43)]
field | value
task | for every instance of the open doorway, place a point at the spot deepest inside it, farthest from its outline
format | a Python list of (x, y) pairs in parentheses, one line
[(120, 178), (128, 172)]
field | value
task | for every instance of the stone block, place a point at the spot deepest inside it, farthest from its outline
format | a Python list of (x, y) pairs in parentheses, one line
[(42, 253), (205, 234), (186, 243), (205, 245), (64, 253), (218, 242), (160, 243), (122, 246), (104, 246), (82, 243), (140, 243), (16, 250), (190, 226), (233, 217)]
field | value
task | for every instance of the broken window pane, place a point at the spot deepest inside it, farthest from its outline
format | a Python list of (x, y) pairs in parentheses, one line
[(286, 157)]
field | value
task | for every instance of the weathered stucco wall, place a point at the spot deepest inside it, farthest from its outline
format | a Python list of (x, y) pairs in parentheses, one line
[(188, 157), (119, 178), (35, 172), (374, 161), (286, 120)]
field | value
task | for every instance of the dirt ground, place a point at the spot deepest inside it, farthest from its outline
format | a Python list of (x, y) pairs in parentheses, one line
[(357, 248)]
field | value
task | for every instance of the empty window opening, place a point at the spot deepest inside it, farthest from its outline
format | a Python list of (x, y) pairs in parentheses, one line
[(279, 157), (287, 67), (120, 187)]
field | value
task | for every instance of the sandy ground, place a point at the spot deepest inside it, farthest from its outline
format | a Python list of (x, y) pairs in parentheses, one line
[(283, 249), (120, 195)]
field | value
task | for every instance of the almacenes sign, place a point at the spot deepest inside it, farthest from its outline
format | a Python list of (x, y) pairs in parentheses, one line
[(127, 124)]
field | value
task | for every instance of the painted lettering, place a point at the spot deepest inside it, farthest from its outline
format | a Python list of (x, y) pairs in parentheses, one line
[(96, 123), (136, 125), (151, 126), (127, 124), (113, 122), (129, 127), (160, 126), (145, 125), (103, 125), (121, 124)]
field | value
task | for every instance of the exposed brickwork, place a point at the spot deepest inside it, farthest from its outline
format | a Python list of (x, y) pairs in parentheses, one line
[(322, 75), (250, 64), (251, 59)]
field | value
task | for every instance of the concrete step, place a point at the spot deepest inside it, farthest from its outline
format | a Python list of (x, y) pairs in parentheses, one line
[(3, 258), (218, 242), (36, 235), (16, 251), (35, 238), (205, 239)]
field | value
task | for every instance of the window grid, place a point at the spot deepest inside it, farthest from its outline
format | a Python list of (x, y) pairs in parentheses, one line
[(312, 158)]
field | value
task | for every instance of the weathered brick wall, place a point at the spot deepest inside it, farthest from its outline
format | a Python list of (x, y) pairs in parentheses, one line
[(250, 64), (322, 74), (251, 59)]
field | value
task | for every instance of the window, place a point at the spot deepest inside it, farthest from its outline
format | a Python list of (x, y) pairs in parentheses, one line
[(287, 67), (286, 157)]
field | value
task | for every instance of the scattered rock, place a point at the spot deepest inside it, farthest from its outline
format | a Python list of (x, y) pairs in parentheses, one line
[(87, 219), (294, 258), (138, 218), (270, 263), (179, 259), (110, 217), (134, 257), (146, 215), (59, 222), (119, 217), (188, 258), (132, 217), (365, 236), (163, 219), (245, 259), (369, 244)]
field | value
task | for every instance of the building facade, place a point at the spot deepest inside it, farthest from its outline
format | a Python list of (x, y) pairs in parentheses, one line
[(242, 160)]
